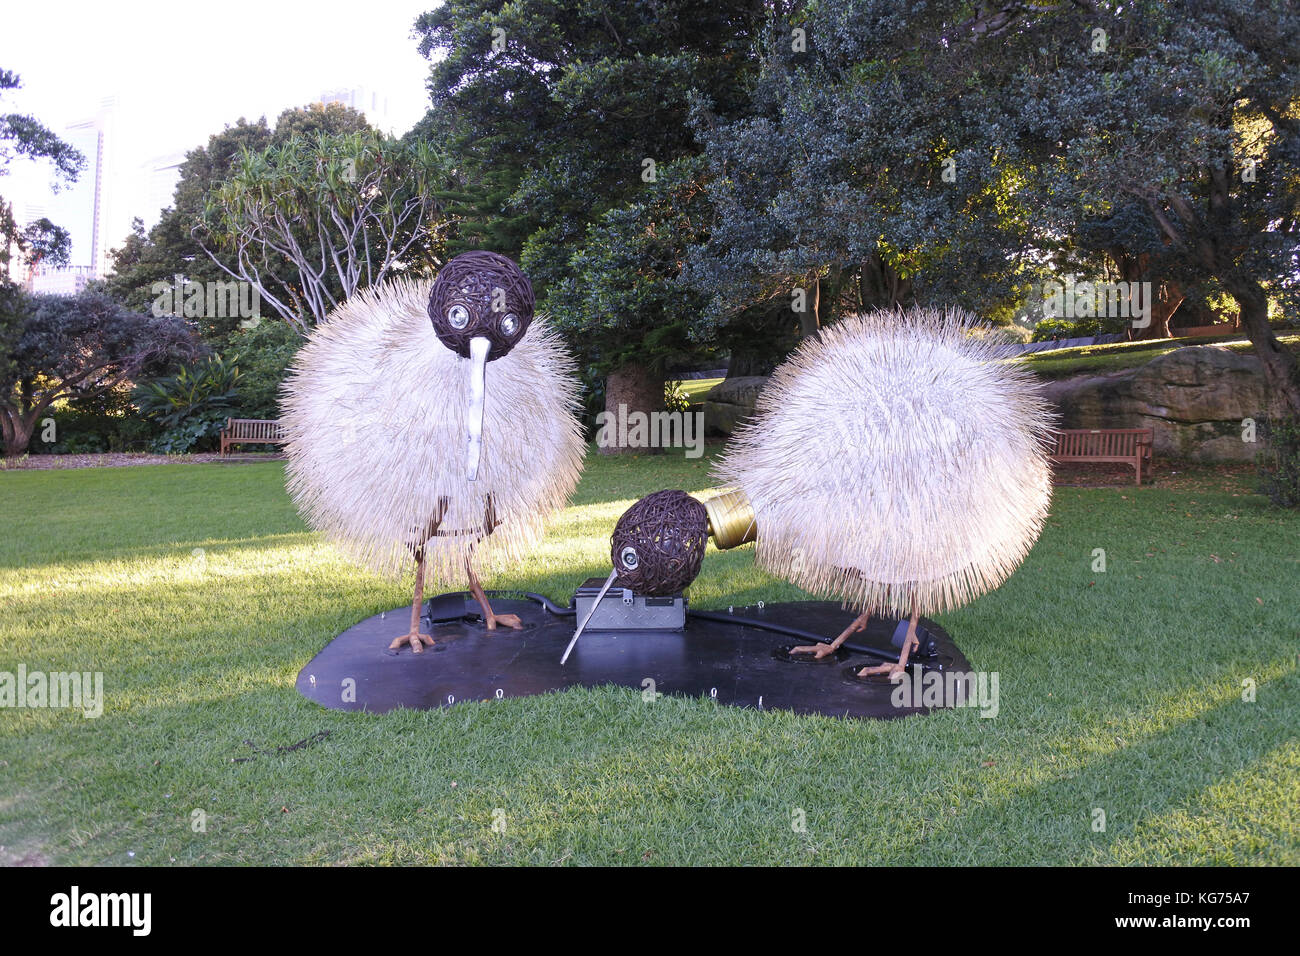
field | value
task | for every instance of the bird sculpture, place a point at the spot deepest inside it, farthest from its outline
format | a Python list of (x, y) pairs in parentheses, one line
[(897, 464), (434, 421), (656, 549)]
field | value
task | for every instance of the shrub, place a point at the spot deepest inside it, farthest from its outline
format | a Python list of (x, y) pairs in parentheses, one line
[(263, 353), (1048, 329), (104, 422), (1279, 462), (191, 405)]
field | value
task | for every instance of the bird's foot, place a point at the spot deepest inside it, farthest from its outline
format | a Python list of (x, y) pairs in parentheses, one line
[(415, 639), (818, 651), (509, 620), (895, 671)]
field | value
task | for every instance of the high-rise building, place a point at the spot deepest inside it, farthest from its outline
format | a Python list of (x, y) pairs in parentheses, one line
[(373, 105), (160, 176), (84, 208)]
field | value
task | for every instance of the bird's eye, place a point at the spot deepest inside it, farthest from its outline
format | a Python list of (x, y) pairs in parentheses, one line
[(629, 558), (509, 323), (458, 316)]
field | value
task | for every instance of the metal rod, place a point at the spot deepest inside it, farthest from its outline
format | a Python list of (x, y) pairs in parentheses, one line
[(594, 604)]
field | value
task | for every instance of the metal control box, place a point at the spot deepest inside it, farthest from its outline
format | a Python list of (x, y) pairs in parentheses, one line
[(624, 610)]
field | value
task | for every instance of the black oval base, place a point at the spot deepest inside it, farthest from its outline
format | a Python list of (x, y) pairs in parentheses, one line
[(734, 664)]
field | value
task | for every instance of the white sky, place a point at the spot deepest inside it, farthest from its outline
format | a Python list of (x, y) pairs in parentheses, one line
[(182, 72)]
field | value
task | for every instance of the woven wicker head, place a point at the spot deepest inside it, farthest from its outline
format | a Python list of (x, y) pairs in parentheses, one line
[(481, 294), (658, 544)]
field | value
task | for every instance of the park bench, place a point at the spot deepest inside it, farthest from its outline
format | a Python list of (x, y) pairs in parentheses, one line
[(1129, 445), (245, 430)]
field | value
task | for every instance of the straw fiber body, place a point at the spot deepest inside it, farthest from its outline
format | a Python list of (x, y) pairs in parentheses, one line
[(375, 410), (896, 459)]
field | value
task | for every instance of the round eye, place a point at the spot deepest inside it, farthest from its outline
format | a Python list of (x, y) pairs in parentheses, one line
[(458, 316), (629, 558), (509, 323)]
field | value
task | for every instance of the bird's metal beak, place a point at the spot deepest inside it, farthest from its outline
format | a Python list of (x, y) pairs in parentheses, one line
[(478, 354)]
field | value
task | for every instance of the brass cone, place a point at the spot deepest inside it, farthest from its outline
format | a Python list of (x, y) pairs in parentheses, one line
[(731, 520)]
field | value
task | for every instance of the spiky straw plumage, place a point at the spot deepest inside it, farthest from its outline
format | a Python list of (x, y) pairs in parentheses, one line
[(374, 410), (896, 459)]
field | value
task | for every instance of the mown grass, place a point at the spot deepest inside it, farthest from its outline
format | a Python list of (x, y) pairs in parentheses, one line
[(695, 389), (1099, 359), (1120, 691)]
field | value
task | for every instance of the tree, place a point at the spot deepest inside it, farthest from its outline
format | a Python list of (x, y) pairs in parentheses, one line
[(958, 147), (310, 221), (1185, 115), (170, 249), (858, 177), (22, 135), (56, 348), (328, 118), (563, 117)]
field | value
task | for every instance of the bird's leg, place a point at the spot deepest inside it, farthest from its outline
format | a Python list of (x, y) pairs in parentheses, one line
[(818, 651), (491, 618), (414, 638), (910, 643)]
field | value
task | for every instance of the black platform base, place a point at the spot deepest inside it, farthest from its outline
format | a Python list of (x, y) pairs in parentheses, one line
[(732, 663)]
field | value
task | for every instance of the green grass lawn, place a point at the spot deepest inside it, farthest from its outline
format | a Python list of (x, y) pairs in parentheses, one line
[(1099, 359), (198, 593), (695, 389)]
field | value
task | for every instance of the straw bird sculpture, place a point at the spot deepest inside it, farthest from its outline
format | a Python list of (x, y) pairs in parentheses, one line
[(897, 465), (435, 421)]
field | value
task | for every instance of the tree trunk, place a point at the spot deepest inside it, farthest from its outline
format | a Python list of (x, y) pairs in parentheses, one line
[(1281, 370), (637, 390), (1166, 298), (879, 286), (747, 362), (17, 432), (810, 322)]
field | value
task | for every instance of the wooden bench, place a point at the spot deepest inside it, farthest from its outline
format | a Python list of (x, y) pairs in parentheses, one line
[(1129, 445), (251, 430)]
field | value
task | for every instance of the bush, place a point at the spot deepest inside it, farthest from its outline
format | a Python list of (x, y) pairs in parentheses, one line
[(1048, 329), (107, 422), (193, 435), (263, 353), (190, 405), (1279, 462)]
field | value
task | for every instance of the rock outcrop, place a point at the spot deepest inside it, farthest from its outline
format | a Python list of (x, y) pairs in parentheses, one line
[(1194, 399), (730, 402)]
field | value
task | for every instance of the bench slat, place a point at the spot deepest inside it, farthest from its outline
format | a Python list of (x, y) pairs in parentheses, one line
[(1130, 445), (251, 430)]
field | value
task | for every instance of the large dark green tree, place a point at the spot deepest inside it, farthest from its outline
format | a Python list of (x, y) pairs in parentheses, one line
[(1187, 114), (951, 149), (862, 175), (75, 348)]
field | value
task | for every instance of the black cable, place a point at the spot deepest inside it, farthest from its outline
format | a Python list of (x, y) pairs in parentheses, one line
[(782, 629), (541, 599)]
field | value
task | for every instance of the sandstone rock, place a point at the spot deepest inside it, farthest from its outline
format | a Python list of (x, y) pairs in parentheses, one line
[(730, 402), (1193, 399)]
